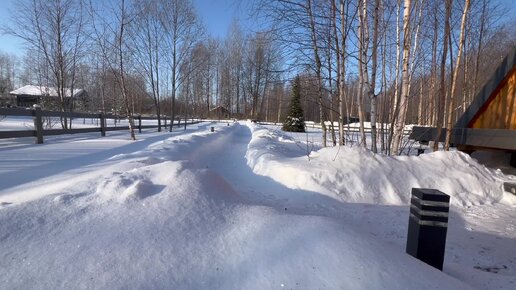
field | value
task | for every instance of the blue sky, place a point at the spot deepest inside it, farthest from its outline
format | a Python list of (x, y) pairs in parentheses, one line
[(217, 15), (8, 43)]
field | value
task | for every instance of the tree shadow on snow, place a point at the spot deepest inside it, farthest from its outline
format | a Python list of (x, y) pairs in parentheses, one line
[(51, 167)]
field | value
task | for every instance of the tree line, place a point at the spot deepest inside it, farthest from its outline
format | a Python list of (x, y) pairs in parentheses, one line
[(386, 62), (391, 62), (150, 56)]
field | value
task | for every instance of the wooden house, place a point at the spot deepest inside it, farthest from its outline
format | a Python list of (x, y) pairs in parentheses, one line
[(30, 95), (219, 112), (489, 123)]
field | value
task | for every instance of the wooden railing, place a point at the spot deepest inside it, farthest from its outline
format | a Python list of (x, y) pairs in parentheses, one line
[(37, 114), (349, 129)]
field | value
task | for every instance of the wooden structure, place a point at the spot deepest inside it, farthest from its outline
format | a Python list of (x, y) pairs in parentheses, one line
[(495, 105), (39, 131), (489, 123), (219, 112), (30, 95)]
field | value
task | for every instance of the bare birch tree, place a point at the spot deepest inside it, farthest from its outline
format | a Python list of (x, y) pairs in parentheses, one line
[(442, 87), (451, 103), (400, 122), (54, 29), (115, 51), (318, 66), (363, 76), (147, 37), (372, 84), (182, 30)]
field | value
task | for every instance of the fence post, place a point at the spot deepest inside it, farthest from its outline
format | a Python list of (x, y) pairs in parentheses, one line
[(165, 118), (38, 125), (102, 125), (139, 123)]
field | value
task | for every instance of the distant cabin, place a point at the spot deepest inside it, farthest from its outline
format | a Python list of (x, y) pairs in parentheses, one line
[(29, 95), (489, 123), (219, 112)]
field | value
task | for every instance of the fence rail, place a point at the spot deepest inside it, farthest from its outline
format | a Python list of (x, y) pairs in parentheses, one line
[(349, 129), (37, 114)]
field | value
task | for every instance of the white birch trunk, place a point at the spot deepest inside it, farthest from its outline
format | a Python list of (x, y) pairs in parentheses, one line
[(451, 103), (400, 123)]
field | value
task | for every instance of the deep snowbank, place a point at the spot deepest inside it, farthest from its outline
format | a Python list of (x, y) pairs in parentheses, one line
[(158, 218), (353, 174)]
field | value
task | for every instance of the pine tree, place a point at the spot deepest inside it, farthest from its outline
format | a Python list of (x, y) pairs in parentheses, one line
[(295, 121)]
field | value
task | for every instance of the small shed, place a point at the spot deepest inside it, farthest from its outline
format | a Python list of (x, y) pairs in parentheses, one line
[(489, 123), (29, 95), (219, 112)]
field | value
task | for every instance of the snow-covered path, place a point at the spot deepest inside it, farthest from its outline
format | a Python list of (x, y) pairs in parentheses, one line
[(226, 156), (228, 159), (189, 211), (468, 250)]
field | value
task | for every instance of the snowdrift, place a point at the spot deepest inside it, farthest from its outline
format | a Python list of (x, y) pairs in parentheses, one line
[(353, 174), (170, 216)]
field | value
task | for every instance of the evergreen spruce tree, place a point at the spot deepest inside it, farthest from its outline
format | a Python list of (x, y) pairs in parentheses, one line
[(295, 121)]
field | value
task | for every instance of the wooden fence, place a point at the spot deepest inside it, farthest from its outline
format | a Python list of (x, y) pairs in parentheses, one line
[(349, 129), (37, 114)]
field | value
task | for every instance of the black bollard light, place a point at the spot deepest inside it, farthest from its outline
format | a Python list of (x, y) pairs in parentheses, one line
[(213, 129), (428, 223)]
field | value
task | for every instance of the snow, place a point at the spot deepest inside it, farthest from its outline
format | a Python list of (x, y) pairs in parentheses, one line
[(245, 207), (353, 174), (11, 123), (44, 91)]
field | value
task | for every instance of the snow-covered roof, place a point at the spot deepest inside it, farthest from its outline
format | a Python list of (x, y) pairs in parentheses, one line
[(44, 91), (218, 108)]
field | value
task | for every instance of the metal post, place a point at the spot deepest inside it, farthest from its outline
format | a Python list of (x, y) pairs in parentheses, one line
[(213, 129), (38, 125), (428, 224), (139, 123)]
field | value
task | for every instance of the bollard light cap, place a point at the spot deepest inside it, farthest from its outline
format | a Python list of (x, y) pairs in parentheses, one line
[(430, 194)]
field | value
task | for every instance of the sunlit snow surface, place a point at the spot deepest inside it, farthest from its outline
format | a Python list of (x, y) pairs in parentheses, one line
[(245, 207)]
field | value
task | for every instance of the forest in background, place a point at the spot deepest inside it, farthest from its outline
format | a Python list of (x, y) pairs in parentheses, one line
[(388, 62)]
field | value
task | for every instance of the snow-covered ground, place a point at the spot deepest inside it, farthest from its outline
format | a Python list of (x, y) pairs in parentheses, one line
[(10, 123), (245, 207)]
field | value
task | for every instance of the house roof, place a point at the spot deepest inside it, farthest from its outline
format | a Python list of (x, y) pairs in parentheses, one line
[(31, 90), (462, 133), (487, 93), (218, 108)]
